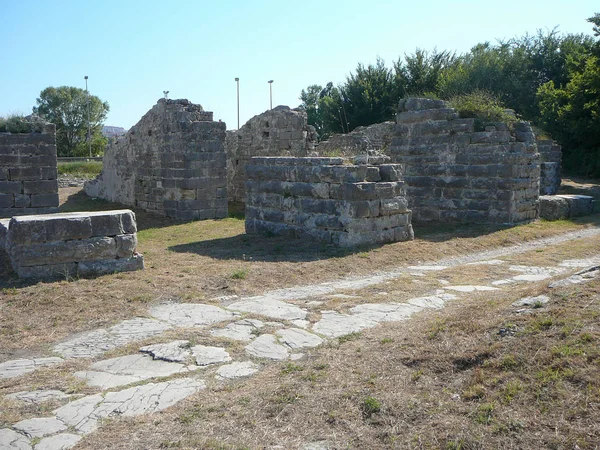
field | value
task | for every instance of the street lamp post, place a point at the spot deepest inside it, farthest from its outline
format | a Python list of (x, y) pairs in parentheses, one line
[(89, 133), (237, 80), (270, 94)]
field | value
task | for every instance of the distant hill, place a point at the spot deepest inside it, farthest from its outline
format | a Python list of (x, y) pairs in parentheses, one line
[(109, 131)]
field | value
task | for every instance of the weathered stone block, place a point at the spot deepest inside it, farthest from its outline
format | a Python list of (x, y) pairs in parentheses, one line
[(106, 267), (59, 252)]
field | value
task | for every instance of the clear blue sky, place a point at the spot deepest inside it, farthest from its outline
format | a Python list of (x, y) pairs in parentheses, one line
[(133, 50)]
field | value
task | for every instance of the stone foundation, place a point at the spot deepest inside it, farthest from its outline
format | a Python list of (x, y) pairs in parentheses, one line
[(280, 131), (456, 174), (28, 174), (172, 162), (73, 244), (325, 200), (550, 166)]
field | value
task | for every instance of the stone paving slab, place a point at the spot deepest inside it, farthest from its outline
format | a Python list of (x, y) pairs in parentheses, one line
[(236, 370), (385, 312), (63, 441), (190, 315), (206, 355), (266, 346), (11, 440), (40, 427), (175, 351), (470, 288), (275, 309), (334, 324), (18, 367), (243, 330), (38, 396), (295, 338)]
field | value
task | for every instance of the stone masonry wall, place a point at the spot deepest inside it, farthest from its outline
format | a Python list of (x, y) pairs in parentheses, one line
[(280, 131), (73, 244), (325, 200), (457, 174), (172, 162), (550, 166), (28, 174), (360, 140)]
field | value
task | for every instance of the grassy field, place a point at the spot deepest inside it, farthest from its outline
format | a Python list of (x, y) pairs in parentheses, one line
[(80, 169)]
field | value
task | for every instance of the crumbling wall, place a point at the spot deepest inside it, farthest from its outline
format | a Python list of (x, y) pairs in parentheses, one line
[(457, 174), (172, 162), (73, 244), (376, 137), (328, 201), (28, 173), (550, 166), (280, 131)]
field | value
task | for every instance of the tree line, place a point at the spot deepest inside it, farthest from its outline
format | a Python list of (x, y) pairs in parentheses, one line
[(550, 79)]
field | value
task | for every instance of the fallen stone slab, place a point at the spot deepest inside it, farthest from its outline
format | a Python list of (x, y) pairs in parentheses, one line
[(175, 351), (190, 315), (243, 330), (206, 355), (38, 396), (129, 369), (236, 370), (18, 367), (266, 346), (94, 343), (334, 324), (84, 414), (274, 309), (295, 338), (11, 440), (40, 427), (63, 441)]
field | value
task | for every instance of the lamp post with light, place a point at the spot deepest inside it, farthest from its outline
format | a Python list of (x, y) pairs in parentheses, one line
[(237, 80), (270, 94), (89, 133)]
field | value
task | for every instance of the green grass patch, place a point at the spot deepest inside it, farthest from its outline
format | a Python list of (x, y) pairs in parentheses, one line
[(80, 169), (483, 107)]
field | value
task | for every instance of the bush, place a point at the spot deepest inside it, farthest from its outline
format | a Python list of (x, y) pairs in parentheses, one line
[(21, 124), (483, 106)]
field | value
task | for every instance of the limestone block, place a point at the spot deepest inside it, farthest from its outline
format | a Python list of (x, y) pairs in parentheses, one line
[(60, 271), (126, 245), (414, 104), (105, 267), (60, 252), (579, 205)]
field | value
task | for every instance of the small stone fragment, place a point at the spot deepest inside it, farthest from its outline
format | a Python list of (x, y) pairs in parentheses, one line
[(175, 351), (206, 355), (532, 301)]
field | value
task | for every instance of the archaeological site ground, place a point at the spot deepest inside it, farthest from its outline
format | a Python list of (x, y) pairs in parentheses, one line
[(426, 283)]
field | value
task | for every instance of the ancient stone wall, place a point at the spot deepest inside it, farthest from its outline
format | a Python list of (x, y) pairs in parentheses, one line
[(172, 162), (326, 200), (550, 166), (360, 140), (28, 174), (456, 174), (73, 244), (280, 131)]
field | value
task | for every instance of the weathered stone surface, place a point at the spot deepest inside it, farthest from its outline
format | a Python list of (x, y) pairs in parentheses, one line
[(11, 440), (470, 288), (532, 301), (172, 162), (334, 324), (295, 338), (40, 427), (95, 343), (432, 301), (206, 355), (275, 309), (108, 266), (18, 367), (384, 312), (191, 315), (129, 369), (175, 351), (63, 441), (242, 330), (38, 396), (581, 263), (553, 207), (236, 370), (266, 346), (582, 276), (579, 205), (84, 414)]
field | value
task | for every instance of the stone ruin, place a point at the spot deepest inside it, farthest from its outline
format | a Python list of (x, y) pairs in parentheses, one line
[(550, 166), (377, 137), (280, 131), (172, 162), (328, 200), (28, 172), (72, 244)]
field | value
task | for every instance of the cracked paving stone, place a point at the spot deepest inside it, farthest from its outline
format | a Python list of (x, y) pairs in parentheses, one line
[(236, 370), (175, 351), (532, 301), (295, 338), (84, 414), (129, 369), (206, 355), (38, 396), (385, 312), (242, 330), (11, 440), (40, 427), (266, 346), (275, 309), (300, 323), (63, 441), (470, 288), (95, 343), (432, 301), (188, 315), (18, 367), (334, 324)]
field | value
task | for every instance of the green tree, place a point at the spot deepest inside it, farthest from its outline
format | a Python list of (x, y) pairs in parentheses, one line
[(419, 73), (67, 108), (310, 103)]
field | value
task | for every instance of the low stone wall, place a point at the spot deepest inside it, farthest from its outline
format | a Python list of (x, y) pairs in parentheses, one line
[(28, 175), (555, 207), (326, 200), (457, 174), (73, 244), (550, 166), (172, 162), (281, 131)]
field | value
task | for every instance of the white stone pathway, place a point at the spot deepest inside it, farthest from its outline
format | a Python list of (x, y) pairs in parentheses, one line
[(293, 334)]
